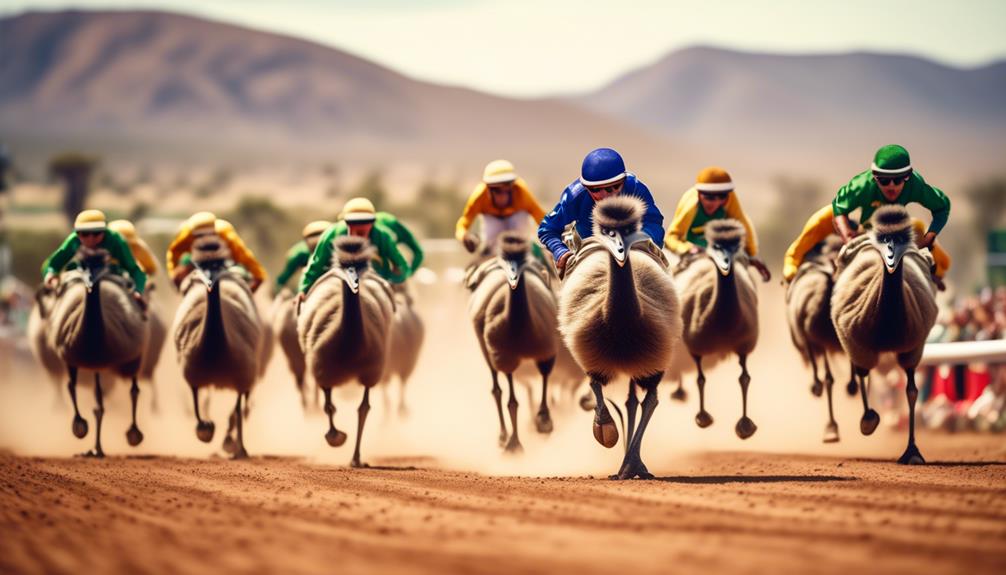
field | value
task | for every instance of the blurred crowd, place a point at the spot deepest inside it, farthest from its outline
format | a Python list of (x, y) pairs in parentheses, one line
[(968, 396)]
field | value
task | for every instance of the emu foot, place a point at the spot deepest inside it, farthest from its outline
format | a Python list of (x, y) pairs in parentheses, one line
[(79, 427), (679, 394), (205, 430), (357, 464), (513, 446), (632, 467), (745, 428), (852, 388), (817, 388), (403, 412), (240, 453), (98, 453), (605, 431), (831, 433), (911, 456), (587, 402), (543, 422), (703, 419), (502, 439), (868, 424), (134, 436), (230, 446), (335, 438)]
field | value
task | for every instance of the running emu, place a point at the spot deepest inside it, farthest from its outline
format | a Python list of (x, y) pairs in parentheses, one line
[(885, 301), (618, 313)]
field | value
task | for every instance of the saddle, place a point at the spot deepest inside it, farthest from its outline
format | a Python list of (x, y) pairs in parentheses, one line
[(478, 270), (591, 245)]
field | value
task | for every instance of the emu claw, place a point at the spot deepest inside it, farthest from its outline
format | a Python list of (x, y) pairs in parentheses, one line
[(79, 427), (205, 430), (514, 446), (134, 436), (911, 456), (868, 424), (851, 388), (587, 402), (703, 419), (230, 446), (335, 438), (831, 433), (817, 389), (543, 422), (605, 431), (679, 394), (745, 428)]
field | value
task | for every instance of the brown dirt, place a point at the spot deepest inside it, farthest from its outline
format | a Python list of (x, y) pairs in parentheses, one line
[(725, 512)]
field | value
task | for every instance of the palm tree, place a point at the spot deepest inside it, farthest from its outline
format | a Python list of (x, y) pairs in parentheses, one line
[(75, 170)]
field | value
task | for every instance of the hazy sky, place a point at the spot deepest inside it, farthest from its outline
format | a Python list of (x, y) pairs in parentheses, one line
[(537, 47)]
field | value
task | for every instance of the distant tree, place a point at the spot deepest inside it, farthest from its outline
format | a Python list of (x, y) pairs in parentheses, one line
[(795, 200), (75, 169)]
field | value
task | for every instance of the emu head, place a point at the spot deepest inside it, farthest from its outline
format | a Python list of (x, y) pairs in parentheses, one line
[(210, 256), (94, 263), (724, 240), (892, 234), (513, 256), (351, 260), (617, 224)]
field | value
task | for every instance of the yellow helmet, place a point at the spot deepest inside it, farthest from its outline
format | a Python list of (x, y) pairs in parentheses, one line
[(125, 228), (498, 172), (90, 221), (202, 220), (359, 210), (314, 228)]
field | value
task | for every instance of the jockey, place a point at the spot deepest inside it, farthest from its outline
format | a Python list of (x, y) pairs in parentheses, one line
[(202, 224), (504, 202)]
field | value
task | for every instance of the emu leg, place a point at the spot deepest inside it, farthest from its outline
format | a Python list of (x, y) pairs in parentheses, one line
[(911, 456), (361, 420), (403, 408), (134, 436), (334, 437), (605, 431), (631, 403), (230, 446), (543, 421), (871, 419), (680, 394), (745, 428), (247, 410), (204, 429), (830, 430), (513, 445), (851, 387), (498, 396), (632, 464), (239, 451), (702, 418), (817, 388), (79, 423), (303, 392), (99, 414)]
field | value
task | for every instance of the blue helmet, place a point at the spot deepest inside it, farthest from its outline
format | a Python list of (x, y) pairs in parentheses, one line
[(602, 166)]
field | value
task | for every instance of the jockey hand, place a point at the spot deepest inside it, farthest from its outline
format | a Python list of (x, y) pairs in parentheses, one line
[(179, 274), (254, 284), (694, 249), (471, 243), (759, 265), (52, 281), (560, 264), (927, 241)]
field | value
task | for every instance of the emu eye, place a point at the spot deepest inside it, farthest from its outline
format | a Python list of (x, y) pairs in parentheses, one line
[(610, 233)]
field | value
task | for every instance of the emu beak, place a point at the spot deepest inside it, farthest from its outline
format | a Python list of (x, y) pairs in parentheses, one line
[(512, 270), (353, 279), (892, 254), (616, 245), (723, 259)]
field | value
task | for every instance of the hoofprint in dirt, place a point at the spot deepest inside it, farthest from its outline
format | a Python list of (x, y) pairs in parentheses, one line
[(721, 512)]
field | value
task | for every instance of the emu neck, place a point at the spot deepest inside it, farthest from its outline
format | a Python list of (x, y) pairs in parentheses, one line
[(516, 307), (213, 324), (623, 301), (94, 327), (726, 301), (352, 315), (891, 304)]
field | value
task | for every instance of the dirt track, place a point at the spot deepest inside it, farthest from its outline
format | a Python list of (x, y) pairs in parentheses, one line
[(731, 512)]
